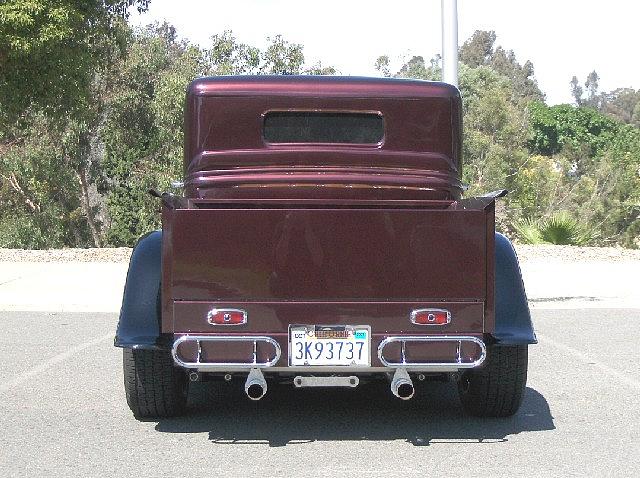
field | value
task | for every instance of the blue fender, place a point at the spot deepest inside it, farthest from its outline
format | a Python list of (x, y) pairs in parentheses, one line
[(513, 319), (139, 324)]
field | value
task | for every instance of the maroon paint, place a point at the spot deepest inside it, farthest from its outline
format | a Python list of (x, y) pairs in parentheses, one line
[(275, 317), (327, 254), (226, 155), (326, 233)]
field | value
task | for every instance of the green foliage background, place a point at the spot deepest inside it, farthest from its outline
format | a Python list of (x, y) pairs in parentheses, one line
[(91, 115)]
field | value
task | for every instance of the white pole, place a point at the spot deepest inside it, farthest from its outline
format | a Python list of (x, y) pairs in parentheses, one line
[(450, 42)]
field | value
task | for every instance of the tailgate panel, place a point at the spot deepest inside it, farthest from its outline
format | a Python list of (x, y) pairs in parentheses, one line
[(325, 254)]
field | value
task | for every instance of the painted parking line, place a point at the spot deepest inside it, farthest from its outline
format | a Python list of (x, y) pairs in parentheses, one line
[(623, 377), (10, 280), (61, 357)]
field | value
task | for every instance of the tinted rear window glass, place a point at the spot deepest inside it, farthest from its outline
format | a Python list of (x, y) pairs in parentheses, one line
[(313, 127)]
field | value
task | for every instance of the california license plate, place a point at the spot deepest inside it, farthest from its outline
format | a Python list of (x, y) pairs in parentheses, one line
[(315, 345)]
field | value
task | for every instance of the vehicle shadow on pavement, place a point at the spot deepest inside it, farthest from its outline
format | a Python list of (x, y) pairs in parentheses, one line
[(295, 416)]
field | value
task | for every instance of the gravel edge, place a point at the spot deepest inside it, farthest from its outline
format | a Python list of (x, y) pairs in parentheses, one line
[(107, 254), (526, 253)]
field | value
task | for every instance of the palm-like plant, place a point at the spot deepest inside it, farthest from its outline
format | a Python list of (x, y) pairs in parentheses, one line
[(559, 228), (529, 232)]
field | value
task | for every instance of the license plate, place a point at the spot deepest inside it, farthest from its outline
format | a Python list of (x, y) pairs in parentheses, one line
[(315, 345)]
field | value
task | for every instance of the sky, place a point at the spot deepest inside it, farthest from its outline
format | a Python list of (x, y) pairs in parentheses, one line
[(562, 38)]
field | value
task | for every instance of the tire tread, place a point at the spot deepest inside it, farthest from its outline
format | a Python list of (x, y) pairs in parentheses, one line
[(153, 386), (496, 389)]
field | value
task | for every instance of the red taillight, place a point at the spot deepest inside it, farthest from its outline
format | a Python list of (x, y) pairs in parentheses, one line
[(227, 316), (431, 317)]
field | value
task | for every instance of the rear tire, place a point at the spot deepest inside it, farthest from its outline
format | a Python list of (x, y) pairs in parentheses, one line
[(154, 387), (496, 389)]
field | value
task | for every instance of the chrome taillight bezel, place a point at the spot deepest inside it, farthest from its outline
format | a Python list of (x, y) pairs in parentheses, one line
[(215, 311), (415, 312)]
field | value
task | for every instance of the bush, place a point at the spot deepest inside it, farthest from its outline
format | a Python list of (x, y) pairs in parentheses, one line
[(22, 232), (560, 228), (529, 232)]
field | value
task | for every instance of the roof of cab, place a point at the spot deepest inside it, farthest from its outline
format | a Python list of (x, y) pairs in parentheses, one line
[(319, 86)]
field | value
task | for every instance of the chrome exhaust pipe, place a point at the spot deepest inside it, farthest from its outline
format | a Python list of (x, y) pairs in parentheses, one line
[(401, 384), (256, 386)]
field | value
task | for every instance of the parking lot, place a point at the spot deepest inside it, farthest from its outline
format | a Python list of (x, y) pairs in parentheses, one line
[(63, 413)]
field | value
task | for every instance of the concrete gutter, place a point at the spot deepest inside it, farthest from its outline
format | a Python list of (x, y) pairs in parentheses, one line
[(98, 286), (582, 285), (62, 287)]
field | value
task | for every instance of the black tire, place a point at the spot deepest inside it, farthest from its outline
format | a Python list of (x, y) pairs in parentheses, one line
[(154, 387), (496, 389)]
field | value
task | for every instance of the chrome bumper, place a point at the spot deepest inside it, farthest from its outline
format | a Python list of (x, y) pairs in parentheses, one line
[(452, 366), (225, 366), (459, 363)]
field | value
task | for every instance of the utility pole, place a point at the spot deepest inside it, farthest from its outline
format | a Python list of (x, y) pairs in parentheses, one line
[(450, 42)]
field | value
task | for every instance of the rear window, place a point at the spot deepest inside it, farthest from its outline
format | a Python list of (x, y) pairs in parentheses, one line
[(317, 127)]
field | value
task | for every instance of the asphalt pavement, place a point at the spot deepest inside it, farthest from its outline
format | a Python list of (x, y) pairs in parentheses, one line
[(63, 413)]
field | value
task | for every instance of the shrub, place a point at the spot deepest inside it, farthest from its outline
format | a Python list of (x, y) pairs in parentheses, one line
[(560, 228)]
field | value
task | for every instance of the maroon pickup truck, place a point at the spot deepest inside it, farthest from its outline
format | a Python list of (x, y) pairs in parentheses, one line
[(321, 241)]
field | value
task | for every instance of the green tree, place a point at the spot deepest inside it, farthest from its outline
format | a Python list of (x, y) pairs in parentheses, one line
[(282, 57), (622, 104), (414, 68), (382, 65), (480, 50), (576, 91), (318, 69), (49, 50), (142, 133), (494, 142), (601, 161), (51, 56), (557, 128), (227, 56), (78, 157), (39, 191), (592, 84)]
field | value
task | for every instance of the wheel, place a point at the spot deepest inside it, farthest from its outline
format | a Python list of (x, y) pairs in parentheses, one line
[(153, 385), (496, 389)]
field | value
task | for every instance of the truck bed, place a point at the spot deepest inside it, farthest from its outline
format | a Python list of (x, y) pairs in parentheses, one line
[(341, 262)]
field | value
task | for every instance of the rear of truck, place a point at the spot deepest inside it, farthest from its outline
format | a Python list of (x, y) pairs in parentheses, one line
[(322, 241)]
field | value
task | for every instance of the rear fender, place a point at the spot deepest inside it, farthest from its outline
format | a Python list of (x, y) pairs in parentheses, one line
[(513, 319), (139, 324)]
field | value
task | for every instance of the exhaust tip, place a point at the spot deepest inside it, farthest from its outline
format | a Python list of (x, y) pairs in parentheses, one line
[(255, 391), (401, 384), (256, 386), (405, 391)]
